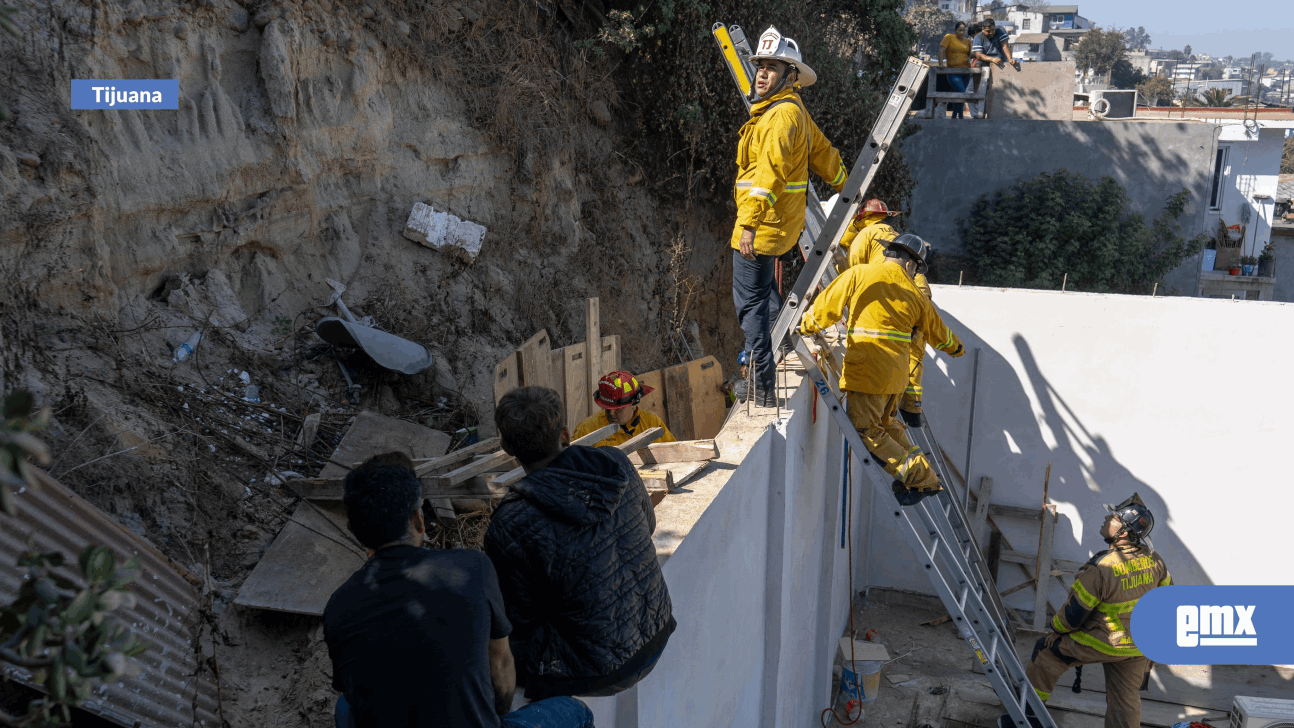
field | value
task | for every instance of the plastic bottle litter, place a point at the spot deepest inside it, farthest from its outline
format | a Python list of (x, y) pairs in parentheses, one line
[(185, 350), (252, 394)]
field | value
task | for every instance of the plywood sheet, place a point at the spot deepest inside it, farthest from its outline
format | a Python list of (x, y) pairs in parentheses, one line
[(577, 393), (611, 353), (655, 402), (507, 376), (314, 553), (536, 361), (695, 398)]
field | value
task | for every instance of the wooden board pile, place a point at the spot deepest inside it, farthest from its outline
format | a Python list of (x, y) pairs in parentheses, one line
[(688, 397)]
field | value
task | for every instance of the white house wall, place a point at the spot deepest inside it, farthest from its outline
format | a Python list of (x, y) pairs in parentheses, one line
[(1178, 399), (1253, 169)]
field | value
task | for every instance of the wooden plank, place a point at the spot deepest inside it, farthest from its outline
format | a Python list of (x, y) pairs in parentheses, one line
[(558, 373), (1006, 544), (979, 519), (1064, 566), (655, 402), (682, 451), (1028, 514), (536, 361), (637, 442), (517, 473), (497, 461), (678, 392), (593, 354), (684, 472), (507, 376), (611, 353), (464, 454), (656, 479), (577, 392), (1042, 568), (314, 553)]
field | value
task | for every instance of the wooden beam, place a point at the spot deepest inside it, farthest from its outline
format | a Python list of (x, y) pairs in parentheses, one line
[(1063, 566), (683, 451), (517, 473), (979, 520), (657, 479), (507, 376), (536, 361), (1007, 550), (458, 456), (638, 442), (576, 384), (593, 354), (1001, 511), (497, 461), (1042, 568)]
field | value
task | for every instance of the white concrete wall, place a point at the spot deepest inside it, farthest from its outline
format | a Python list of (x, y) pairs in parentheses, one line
[(1183, 400), (760, 588)]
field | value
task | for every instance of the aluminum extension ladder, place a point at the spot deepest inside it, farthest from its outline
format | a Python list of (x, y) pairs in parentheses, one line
[(936, 528)]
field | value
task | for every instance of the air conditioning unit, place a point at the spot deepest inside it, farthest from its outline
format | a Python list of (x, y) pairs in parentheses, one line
[(1247, 712), (1114, 104)]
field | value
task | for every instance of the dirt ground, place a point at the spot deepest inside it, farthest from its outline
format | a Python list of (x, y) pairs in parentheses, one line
[(307, 131)]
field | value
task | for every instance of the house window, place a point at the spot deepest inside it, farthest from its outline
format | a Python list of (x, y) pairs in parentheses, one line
[(1033, 47), (1219, 179), (1024, 24)]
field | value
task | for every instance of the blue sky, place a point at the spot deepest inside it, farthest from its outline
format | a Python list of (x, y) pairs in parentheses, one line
[(1236, 28)]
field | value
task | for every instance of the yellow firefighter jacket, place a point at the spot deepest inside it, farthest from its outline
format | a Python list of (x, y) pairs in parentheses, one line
[(918, 350), (884, 307), (642, 423), (1098, 612), (868, 236), (776, 151)]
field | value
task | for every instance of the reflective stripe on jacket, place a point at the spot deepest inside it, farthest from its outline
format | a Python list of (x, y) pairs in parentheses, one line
[(774, 156), (642, 423), (864, 241), (884, 306), (1098, 612)]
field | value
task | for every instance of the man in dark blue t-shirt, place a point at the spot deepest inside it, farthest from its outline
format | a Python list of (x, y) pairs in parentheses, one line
[(419, 638), (993, 45)]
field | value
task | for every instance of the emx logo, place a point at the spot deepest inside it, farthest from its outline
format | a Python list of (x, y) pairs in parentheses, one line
[(1215, 625), (1225, 625)]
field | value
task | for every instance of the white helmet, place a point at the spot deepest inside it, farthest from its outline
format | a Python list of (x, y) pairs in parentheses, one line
[(773, 46)]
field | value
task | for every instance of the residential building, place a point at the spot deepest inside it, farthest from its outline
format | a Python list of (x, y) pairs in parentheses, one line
[(1062, 22), (1232, 87), (1035, 47), (1187, 71), (961, 9)]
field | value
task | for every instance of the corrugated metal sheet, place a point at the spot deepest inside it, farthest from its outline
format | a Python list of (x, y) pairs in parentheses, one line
[(165, 691)]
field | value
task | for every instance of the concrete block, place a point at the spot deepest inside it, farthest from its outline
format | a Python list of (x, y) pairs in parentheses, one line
[(1039, 90), (438, 230)]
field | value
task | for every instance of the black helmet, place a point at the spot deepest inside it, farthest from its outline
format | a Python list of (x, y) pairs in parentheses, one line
[(914, 246), (1136, 518)]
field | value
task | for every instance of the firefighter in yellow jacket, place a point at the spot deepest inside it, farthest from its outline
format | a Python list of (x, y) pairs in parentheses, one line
[(884, 308), (868, 233), (779, 145), (910, 404), (618, 395), (1095, 624)]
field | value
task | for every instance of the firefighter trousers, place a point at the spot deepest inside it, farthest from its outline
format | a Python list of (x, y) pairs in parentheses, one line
[(911, 401), (873, 417), (1055, 654)]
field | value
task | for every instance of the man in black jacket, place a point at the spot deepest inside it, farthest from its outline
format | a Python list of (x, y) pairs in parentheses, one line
[(572, 545)]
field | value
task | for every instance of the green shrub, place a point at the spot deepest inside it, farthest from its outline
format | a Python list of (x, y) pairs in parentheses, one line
[(1032, 234)]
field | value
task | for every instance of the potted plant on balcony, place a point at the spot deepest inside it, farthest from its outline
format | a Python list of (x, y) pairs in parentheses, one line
[(1267, 261), (1247, 265)]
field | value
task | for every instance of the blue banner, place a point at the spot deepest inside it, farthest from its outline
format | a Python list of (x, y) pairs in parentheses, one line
[(119, 93), (1216, 625)]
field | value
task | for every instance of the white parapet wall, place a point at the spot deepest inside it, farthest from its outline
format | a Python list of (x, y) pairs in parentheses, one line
[(760, 587), (1186, 401)]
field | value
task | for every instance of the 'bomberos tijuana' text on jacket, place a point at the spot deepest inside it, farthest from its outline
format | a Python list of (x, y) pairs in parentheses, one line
[(1098, 612)]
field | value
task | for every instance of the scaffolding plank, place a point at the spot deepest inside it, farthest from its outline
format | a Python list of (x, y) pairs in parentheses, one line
[(536, 361), (682, 451), (577, 392), (507, 376), (593, 351)]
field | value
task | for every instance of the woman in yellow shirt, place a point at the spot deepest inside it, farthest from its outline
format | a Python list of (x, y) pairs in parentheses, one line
[(954, 52)]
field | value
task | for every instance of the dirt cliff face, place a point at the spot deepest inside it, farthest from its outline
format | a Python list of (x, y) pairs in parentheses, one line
[(306, 132)]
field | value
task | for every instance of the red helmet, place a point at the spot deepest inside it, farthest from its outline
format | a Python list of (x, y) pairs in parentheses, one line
[(873, 207), (618, 390)]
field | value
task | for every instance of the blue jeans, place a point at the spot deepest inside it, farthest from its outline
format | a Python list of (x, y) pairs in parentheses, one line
[(754, 292), (957, 82), (550, 713)]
